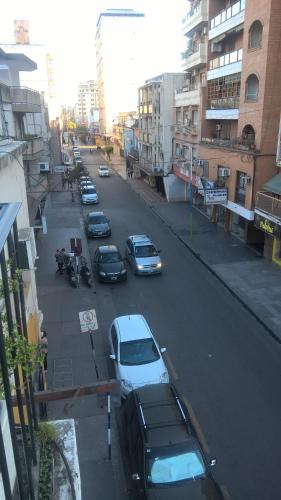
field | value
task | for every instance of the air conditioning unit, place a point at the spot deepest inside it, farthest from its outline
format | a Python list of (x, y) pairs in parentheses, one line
[(216, 47), (44, 166), (224, 172), (218, 126)]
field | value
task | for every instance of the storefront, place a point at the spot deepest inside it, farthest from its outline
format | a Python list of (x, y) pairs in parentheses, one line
[(272, 229)]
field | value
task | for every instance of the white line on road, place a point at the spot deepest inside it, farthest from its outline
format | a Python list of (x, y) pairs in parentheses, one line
[(196, 424), (171, 367)]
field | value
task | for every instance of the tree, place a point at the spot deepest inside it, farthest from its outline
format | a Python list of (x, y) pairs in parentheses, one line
[(108, 150)]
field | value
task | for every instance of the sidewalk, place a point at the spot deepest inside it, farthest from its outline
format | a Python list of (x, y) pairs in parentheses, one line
[(255, 281), (70, 354)]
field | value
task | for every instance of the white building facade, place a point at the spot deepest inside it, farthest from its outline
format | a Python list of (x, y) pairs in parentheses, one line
[(120, 63), (156, 114)]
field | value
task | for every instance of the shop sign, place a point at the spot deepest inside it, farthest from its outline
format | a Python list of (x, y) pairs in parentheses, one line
[(267, 226), (215, 196)]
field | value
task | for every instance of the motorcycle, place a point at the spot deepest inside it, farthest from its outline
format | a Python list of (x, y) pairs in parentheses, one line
[(86, 275), (72, 275)]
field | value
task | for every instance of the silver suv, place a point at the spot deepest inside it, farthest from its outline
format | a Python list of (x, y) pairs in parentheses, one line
[(142, 255)]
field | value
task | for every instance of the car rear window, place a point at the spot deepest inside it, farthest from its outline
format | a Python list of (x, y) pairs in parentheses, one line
[(88, 191), (97, 219)]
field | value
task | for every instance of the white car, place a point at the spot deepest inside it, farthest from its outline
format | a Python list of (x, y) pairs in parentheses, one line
[(137, 357), (103, 171), (89, 195)]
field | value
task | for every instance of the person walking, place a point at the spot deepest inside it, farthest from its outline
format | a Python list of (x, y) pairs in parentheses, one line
[(44, 348), (60, 259)]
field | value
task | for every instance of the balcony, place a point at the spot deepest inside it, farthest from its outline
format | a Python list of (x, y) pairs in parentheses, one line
[(25, 100), (227, 64), (196, 58), (227, 20), (225, 108), (186, 97), (269, 205), (195, 18), (235, 143), (150, 168)]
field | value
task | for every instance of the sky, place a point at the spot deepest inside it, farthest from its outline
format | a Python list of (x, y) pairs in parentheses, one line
[(68, 30)]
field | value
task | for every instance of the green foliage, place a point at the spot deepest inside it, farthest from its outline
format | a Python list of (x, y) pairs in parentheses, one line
[(46, 433), (108, 150), (19, 351)]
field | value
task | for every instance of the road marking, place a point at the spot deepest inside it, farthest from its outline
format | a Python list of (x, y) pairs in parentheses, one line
[(197, 426), (171, 367), (225, 492)]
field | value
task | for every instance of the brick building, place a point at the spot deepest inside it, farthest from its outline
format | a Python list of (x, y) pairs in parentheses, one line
[(239, 108)]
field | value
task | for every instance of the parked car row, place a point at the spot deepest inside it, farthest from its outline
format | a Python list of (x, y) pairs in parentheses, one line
[(166, 458)]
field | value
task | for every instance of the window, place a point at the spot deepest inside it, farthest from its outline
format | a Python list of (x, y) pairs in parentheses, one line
[(255, 35), (194, 118), (178, 116), (248, 136), (240, 194), (252, 88)]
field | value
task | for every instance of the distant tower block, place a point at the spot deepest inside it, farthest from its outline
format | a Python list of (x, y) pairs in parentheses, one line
[(22, 32)]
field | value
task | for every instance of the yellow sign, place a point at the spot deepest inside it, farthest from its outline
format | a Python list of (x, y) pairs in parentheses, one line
[(265, 226)]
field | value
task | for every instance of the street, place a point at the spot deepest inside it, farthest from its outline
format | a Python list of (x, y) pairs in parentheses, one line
[(218, 355), (220, 358)]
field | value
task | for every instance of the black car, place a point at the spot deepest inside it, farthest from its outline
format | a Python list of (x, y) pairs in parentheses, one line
[(109, 265), (165, 455), (97, 225)]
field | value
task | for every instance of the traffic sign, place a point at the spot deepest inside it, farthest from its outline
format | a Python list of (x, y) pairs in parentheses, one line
[(88, 321)]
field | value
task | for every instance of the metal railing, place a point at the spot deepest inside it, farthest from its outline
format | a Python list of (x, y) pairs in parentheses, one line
[(226, 14), (193, 11), (229, 58), (268, 203), (224, 103), (24, 95)]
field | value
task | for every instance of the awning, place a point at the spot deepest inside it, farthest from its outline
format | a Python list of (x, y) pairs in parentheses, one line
[(274, 184)]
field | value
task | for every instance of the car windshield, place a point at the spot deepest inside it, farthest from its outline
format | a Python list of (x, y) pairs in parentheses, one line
[(145, 251), (173, 464), (138, 352), (103, 168), (110, 258), (97, 219), (89, 190)]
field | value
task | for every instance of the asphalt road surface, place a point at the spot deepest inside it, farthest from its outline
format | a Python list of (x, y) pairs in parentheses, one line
[(222, 361)]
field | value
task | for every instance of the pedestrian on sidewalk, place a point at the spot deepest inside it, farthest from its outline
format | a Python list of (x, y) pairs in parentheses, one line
[(44, 348), (60, 259)]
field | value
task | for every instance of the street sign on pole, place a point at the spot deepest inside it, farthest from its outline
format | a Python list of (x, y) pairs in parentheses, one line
[(88, 321)]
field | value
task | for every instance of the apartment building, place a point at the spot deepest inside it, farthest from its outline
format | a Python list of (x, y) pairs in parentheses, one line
[(188, 100), (156, 99), (120, 62), (268, 211), (240, 115), (88, 103), (24, 117)]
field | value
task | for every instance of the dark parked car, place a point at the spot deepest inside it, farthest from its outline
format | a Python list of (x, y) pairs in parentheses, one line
[(97, 225), (109, 265), (165, 455)]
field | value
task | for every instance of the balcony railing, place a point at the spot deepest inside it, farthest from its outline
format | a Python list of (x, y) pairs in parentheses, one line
[(224, 103), (234, 143), (195, 16), (267, 203), (229, 58), (226, 14)]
